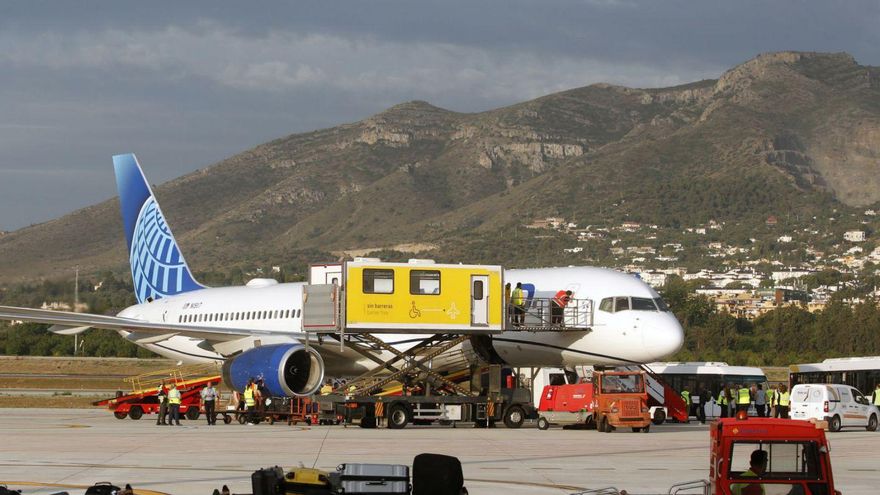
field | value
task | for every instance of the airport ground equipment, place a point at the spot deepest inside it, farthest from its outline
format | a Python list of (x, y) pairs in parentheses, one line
[(798, 457), (664, 402), (565, 405), (494, 398), (143, 398), (620, 399), (440, 307)]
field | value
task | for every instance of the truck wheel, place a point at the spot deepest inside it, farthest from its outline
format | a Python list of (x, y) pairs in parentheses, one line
[(136, 412), (834, 424), (192, 413), (602, 425), (636, 429), (659, 417), (120, 414), (242, 419), (514, 416), (872, 423), (646, 429), (398, 417), (227, 419), (543, 424)]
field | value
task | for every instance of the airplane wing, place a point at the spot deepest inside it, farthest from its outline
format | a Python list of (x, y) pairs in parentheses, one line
[(143, 332)]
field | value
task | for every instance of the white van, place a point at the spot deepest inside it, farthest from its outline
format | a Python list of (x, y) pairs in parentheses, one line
[(841, 405)]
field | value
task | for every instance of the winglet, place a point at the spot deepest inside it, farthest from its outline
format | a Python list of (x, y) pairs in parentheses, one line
[(157, 266)]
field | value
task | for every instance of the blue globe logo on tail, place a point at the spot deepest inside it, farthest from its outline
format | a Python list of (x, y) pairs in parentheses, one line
[(157, 266)]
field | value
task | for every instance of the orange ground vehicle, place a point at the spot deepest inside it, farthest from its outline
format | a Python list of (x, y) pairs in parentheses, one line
[(620, 400), (796, 452)]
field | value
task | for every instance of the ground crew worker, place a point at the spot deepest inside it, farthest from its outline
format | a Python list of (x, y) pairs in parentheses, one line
[(518, 302), (782, 407), (722, 401), (705, 397), (757, 468), (174, 403), (162, 395), (327, 389), (771, 401), (760, 400), (875, 397), (560, 301), (209, 398), (250, 400), (686, 397), (743, 398)]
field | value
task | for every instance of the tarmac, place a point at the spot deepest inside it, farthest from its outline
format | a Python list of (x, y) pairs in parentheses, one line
[(74, 448)]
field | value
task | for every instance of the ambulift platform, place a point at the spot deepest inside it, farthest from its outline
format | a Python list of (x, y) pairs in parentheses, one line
[(448, 304)]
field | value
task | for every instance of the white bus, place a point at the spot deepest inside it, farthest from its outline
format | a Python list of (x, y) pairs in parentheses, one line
[(710, 375), (862, 373)]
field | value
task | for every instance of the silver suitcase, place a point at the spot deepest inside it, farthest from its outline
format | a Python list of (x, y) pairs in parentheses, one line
[(373, 478)]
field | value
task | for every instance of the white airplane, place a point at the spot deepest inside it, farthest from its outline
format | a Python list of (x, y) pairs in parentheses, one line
[(257, 329)]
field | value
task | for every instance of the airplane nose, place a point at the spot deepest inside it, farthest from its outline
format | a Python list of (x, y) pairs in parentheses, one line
[(663, 336)]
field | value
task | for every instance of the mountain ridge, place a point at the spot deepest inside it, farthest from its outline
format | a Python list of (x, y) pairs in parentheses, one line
[(782, 131)]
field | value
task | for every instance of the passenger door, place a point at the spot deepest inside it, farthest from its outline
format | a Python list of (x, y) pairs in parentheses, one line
[(849, 409), (479, 300)]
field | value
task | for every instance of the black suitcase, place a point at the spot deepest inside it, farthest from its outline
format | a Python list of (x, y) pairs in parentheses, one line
[(4, 490), (102, 488), (268, 481), (377, 479), (436, 474)]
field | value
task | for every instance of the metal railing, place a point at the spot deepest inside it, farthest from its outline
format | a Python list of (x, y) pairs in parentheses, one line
[(540, 313), (179, 376)]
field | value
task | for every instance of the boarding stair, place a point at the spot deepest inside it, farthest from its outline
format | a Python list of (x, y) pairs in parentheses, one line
[(660, 393)]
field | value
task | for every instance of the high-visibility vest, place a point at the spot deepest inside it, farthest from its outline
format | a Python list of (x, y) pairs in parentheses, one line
[(783, 399), (722, 398), (517, 297), (687, 397), (174, 396), (561, 299), (743, 396), (737, 488), (771, 396), (877, 397), (249, 397)]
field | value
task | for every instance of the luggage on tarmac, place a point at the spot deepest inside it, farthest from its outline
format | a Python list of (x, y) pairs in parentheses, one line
[(4, 490), (102, 488), (371, 478), (436, 474), (306, 481), (268, 481)]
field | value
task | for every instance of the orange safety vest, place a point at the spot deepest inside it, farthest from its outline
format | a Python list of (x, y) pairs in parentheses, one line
[(561, 299)]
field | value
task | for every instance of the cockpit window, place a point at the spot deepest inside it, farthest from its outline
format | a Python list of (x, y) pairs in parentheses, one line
[(643, 304), (621, 304), (661, 305), (607, 305)]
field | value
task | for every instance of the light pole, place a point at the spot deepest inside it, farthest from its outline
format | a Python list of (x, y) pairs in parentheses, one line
[(75, 303)]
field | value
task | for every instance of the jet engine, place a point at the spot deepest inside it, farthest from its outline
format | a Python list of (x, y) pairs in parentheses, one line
[(286, 369)]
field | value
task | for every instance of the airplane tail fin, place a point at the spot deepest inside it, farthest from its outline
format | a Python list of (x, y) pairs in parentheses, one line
[(157, 266)]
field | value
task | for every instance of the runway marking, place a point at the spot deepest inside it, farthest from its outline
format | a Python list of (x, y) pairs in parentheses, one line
[(137, 491)]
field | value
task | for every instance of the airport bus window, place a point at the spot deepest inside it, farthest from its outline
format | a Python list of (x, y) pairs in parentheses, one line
[(643, 304), (378, 281), (424, 282), (621, 304), (607, 305)]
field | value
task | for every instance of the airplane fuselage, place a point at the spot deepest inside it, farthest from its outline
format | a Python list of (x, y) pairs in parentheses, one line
[(615, 337)]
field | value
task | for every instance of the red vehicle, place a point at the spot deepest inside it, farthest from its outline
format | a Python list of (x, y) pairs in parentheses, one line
[(795, 458), (565, 405), (612, 399), (146, 401)]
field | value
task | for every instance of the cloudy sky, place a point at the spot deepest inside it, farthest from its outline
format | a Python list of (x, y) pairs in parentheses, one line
[(185, 84)]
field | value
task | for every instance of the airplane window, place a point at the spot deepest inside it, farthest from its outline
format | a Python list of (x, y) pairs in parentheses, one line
[(607, 305), (621, 304), (378, 281), (298, 313), (661, 304), (643, 304), (277, 314), (424, 282)]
